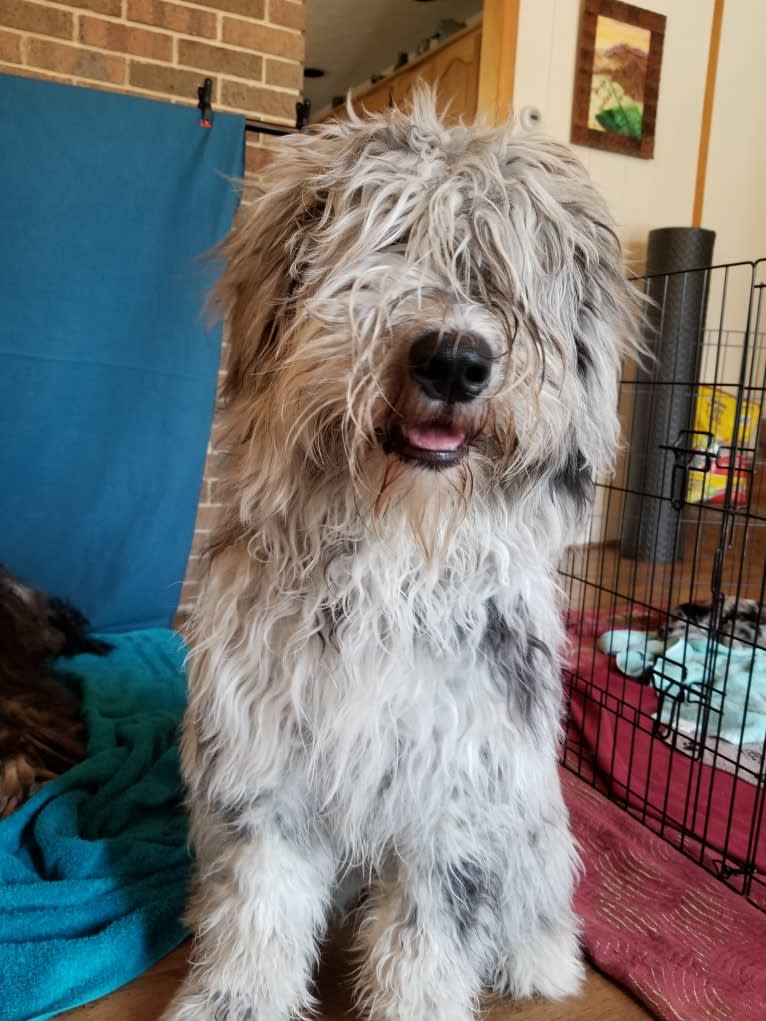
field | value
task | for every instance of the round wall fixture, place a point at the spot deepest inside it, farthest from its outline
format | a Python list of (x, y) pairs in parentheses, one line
[(530, 118)]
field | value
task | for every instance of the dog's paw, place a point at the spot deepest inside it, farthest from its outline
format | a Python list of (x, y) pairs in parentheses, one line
[(549, 964)]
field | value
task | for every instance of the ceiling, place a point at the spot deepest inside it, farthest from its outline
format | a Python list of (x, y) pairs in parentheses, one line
[(353, 39)]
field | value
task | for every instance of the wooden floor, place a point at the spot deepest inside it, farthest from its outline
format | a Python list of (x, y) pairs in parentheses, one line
[(146, 998)]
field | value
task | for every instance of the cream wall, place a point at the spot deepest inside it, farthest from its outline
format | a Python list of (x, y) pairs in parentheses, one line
[(642, 194), (735, 191)]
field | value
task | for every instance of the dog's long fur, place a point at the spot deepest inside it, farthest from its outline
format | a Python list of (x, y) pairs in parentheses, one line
[(375, 677), (41, 732)]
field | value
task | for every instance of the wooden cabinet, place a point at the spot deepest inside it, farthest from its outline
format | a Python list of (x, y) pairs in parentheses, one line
[(456, 74), (376, 99), (452, 68)]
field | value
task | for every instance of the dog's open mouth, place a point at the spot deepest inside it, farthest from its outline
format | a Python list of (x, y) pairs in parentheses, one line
[(431, 444)]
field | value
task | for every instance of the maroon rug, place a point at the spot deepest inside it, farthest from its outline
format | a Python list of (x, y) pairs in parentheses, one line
[(689, 948)]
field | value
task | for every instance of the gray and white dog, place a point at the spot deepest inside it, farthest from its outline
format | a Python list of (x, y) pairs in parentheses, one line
[(427, 325)]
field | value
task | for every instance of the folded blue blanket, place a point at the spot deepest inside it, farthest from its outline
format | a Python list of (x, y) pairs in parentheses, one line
[(94, 867), (732, 679)]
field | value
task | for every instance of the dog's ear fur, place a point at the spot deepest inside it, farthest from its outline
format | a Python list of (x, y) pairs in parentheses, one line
[(262, 267), (583, 306)]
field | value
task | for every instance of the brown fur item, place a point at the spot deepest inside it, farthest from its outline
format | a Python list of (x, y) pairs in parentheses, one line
[(41, 732)]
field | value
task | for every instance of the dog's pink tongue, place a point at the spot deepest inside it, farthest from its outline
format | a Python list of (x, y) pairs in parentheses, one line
[(433, 437)]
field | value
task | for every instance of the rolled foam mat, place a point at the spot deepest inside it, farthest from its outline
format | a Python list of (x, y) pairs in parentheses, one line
[(678, 259)]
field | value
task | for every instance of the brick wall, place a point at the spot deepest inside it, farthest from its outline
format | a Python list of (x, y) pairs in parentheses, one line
[(252, 50)]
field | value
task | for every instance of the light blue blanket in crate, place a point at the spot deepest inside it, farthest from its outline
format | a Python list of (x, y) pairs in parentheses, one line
[(733, 679)]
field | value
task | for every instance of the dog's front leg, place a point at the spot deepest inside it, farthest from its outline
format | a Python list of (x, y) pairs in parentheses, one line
[(259, 909), (420, 947), (539, 945)]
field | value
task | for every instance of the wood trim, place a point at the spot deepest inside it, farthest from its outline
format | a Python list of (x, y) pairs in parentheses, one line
[(500, 31), (707, 112)]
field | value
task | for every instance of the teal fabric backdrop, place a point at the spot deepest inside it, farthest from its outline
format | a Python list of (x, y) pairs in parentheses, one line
[(107, 367)]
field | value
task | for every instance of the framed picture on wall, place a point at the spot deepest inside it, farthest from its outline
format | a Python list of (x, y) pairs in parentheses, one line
[(617, 80)]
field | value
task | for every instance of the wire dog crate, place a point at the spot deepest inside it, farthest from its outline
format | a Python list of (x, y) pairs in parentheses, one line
[(666, 676)]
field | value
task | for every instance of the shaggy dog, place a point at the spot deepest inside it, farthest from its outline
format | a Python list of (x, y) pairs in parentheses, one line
[(41, 733), (427, 325)]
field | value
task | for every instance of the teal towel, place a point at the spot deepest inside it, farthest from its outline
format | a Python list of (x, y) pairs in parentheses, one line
[(94, 867), (734, 680)]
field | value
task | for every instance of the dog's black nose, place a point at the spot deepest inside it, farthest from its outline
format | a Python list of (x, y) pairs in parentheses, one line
[(451, 367)]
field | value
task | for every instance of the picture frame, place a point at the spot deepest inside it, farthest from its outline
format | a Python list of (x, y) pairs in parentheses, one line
[(617, 77)]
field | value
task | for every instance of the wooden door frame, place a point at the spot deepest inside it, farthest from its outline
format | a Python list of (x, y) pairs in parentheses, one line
[(499, 34), (707, 112)]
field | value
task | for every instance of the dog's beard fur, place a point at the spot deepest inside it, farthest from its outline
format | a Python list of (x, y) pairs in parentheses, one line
[(375, 671)]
